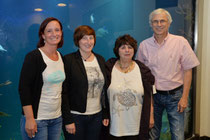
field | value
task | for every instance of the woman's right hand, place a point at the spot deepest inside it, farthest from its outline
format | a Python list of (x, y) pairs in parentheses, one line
[(31, 127), (70, 128)]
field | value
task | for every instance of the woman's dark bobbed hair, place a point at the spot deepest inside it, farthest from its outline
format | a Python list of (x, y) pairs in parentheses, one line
[(125, 40), (82, 31)]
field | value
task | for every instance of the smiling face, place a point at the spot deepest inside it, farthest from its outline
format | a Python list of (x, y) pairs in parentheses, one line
[(86, 43), (160, 24), (52, 33), (126, 52)]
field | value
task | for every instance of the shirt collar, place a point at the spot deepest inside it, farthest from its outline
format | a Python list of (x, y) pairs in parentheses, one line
[(165, 39)]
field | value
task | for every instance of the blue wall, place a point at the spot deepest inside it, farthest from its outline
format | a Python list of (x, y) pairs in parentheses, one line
[(19, 25)]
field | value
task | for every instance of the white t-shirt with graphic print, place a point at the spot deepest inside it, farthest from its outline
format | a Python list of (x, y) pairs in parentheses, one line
[(125, 97), (53, 77), (95, 87)]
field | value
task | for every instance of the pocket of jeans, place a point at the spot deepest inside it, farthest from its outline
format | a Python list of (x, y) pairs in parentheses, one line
[(40, 123), (177, 96)]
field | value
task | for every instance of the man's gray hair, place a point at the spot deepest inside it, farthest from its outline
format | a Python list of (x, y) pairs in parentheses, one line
[(159, 11)]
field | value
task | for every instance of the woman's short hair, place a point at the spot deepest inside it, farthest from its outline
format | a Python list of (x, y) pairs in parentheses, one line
[(42, 27), (125, 40), (160, 11), (81, 31)]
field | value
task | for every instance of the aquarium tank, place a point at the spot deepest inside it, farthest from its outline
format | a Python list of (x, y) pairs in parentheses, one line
[(19, 25)]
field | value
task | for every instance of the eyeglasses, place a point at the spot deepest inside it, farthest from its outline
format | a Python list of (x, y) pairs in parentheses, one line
[(156, 22)]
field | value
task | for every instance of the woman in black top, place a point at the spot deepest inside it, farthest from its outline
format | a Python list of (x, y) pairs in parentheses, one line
[(84, 90), (40, 85)]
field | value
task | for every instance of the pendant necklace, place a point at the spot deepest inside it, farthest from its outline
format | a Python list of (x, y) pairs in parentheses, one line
[(85, 59), (125, 69)]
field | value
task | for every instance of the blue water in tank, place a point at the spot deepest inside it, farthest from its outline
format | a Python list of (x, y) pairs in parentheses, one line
[(19, 25)]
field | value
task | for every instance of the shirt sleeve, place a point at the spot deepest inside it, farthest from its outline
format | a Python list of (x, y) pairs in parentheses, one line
[(27, 77), (65, 108), (139, 55), (188, 59)]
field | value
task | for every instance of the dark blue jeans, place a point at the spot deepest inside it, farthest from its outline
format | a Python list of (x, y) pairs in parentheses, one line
[(88, 127), (175, 118)]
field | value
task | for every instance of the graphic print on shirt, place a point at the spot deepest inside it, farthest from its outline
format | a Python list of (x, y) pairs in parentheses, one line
[(126, 98), (56, 77), (95, 82)]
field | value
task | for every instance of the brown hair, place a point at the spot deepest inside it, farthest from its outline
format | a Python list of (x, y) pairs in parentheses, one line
[(81, 31), (125, 40), (42, 28)]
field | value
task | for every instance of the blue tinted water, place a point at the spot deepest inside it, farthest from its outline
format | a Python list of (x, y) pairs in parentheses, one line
[(19, 25)]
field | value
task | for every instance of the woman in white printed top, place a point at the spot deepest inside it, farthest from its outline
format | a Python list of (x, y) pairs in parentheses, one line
[(40, 85), (129, 93)]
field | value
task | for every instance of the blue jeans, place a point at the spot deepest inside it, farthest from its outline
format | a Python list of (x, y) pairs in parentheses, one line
[(88, 127), (47, 129), (175, 118)]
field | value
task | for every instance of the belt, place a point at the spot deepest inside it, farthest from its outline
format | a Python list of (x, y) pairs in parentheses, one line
[(169, 92)]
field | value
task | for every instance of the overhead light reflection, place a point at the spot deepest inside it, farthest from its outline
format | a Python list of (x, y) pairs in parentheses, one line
[(38, 9), (61, 4)]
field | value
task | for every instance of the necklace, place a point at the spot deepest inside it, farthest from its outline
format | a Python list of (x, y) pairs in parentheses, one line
[(125, 69), (85, 59)]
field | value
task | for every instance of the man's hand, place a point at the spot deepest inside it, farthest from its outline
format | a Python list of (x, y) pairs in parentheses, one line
[(182, 104)]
